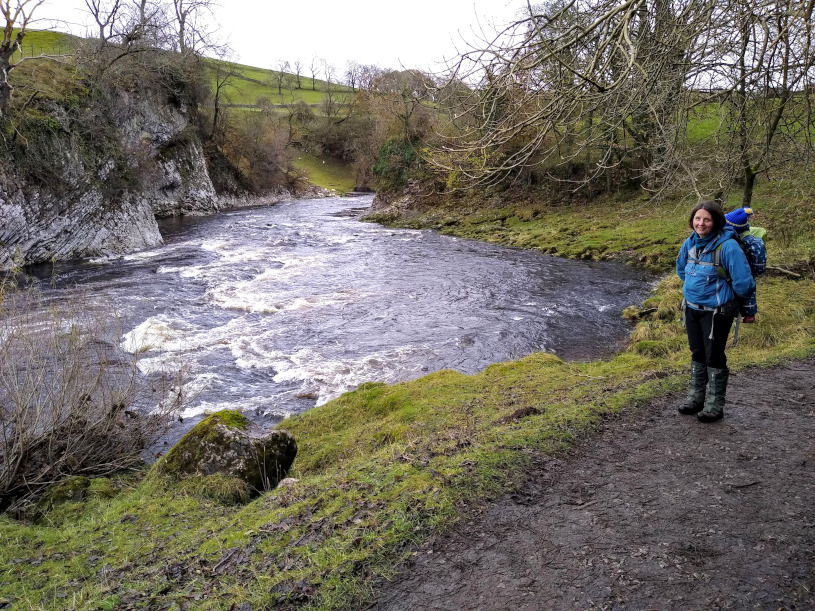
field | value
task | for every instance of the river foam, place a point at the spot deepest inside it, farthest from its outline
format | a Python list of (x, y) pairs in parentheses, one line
[(272, 311)]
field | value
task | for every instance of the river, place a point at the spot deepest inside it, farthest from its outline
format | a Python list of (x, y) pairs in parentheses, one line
[(277, 309)]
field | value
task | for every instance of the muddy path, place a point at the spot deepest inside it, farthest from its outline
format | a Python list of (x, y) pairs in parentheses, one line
[(654, 511)]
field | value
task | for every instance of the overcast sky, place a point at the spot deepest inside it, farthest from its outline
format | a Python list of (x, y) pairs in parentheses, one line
[(411, 33)]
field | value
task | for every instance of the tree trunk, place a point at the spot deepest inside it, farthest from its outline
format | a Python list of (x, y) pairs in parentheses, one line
[(5, 92), (749, 182), (7, 49)]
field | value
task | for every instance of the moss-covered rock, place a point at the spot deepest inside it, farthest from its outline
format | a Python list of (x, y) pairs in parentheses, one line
[(225, 443), (220, 488), (74, 488), (62, 501), (102, 488)]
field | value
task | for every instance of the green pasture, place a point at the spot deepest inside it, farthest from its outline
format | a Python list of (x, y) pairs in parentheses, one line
[(326, 172), (45, 42), (712, 118), (248, 84)]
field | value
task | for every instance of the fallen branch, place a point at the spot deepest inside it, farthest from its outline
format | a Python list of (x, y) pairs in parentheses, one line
[(784, 271)]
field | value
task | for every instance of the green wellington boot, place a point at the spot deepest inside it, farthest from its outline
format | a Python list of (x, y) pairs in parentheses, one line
[(716, 391), (695, 399)]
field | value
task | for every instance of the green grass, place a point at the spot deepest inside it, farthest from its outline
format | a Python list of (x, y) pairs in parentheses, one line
[(383, 468), (248, 90), (643, 233), (50, 79), (326, 172), (45, 42)]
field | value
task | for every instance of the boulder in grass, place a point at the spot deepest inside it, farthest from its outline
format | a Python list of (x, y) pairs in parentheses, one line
[(226, 443)]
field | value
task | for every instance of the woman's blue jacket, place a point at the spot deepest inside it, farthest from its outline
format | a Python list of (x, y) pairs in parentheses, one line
[(703, 285)]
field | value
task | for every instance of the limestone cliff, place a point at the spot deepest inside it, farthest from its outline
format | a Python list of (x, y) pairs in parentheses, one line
[(106, 202)]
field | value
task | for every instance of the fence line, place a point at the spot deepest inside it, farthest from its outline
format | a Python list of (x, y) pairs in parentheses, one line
[(34, 50)]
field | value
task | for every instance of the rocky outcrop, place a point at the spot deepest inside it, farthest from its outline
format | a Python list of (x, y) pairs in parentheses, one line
[(163, 174), (40, 227), (225, 443), (182, 185), (272, 197)]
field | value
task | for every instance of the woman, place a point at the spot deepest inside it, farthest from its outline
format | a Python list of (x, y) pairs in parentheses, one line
[(715, 273)]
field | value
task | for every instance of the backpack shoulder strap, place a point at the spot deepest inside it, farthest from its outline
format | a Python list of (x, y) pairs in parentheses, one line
[(717, 263), (693, 255)]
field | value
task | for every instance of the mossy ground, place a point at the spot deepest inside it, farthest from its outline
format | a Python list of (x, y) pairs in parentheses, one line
[(626, 226), (384, 467)]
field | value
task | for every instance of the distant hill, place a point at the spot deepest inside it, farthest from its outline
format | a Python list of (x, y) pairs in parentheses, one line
[(246, 85)]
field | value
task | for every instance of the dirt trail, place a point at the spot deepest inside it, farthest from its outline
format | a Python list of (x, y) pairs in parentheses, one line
[(656, 511)]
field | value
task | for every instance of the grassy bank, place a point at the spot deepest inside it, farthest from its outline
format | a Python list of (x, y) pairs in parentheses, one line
[(326, 172), (621, 227), (384, 467), (45, 42)]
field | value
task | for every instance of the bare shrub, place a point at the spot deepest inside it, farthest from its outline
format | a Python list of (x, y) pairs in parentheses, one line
[(256, 146), (72, 402)]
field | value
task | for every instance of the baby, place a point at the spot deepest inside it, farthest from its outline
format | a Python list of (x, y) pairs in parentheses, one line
[(753, 244)]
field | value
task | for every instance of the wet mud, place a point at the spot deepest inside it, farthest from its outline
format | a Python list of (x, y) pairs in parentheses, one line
[(654, 511)]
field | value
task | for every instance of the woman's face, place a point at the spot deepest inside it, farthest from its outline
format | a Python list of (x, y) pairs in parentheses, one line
[(702, 223)]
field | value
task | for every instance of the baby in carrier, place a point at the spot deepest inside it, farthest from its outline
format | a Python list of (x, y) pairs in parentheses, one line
[(751, 240)]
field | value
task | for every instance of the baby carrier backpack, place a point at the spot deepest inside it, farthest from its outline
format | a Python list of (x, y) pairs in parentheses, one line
[(752, 245)]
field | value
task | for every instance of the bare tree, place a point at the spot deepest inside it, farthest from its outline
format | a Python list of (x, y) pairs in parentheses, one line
[(402, 95), (769, 88), (224, 74), (352, 74), (259, 149), (280, 75), (577, 90), (314, 68), (18, 14), (296, 113), (366, 75), (297, 68), (125, 28), (574, 81), (191, 20), (105, 15), (329, 73)]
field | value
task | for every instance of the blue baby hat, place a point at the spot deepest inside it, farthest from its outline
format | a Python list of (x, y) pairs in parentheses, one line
[(739, 219)]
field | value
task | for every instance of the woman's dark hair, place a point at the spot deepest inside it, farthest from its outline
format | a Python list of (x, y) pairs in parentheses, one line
[(715, 211)]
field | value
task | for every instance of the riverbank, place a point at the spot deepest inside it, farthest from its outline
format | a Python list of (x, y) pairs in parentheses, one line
[(627, 226), (384, 469)]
